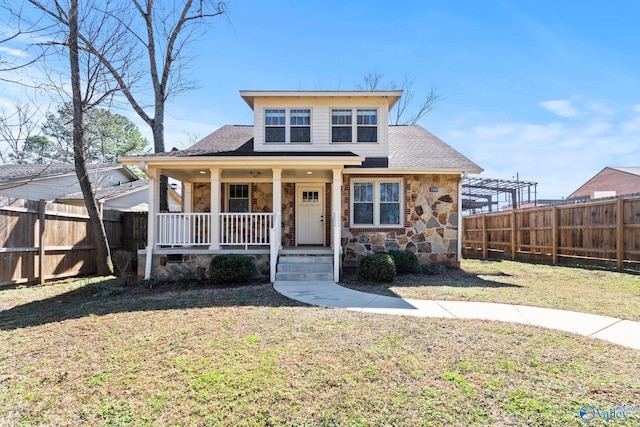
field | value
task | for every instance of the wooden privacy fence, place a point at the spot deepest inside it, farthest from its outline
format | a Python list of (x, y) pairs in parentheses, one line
[(40, 241), (603, 232)]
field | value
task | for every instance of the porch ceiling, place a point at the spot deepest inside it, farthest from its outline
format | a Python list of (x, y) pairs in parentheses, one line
[(254, 174), (195, 169)]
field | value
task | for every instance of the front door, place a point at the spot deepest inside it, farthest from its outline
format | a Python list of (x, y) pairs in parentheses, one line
[(310, 213)]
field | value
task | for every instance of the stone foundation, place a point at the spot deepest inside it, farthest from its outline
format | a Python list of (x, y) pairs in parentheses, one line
[(430, 229), (194, 265)]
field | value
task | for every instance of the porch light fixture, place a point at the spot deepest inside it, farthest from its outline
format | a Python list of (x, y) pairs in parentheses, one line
[(309, 172), (203, 172), (254, 174)]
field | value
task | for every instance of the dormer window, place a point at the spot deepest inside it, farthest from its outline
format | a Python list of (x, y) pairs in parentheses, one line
[(344, 129), (275, 122), (297, 129)]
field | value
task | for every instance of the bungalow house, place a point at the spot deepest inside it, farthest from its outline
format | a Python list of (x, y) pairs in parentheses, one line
[(319, 181), (116, 187)]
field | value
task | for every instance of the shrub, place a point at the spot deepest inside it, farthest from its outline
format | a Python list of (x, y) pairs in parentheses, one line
[(377, 267), (124, 264), (406, 261), (232, 269), (434, 269)]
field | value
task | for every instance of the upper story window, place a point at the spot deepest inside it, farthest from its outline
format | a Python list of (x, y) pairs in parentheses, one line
[(274, 121), (344, 129), (296, 129), (300, 121)]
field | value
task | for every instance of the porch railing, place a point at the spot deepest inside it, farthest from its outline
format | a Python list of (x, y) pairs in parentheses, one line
[(247, 229), (184, 229), (194, 229)]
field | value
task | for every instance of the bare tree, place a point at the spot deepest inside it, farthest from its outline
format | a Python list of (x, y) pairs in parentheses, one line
[(406, 111), (103, 261), (163, 34), (16, 128)]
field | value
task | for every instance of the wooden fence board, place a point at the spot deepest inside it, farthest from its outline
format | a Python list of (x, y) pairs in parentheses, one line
[(67, 240), (603, 232)]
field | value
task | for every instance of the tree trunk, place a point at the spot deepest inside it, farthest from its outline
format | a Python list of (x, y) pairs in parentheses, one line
[(103, 256), (158, 147)]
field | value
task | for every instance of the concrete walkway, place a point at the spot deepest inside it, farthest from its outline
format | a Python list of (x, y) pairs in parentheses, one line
[(329, 294)]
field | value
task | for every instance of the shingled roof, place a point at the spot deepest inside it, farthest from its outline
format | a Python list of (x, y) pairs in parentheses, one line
[(18, 173), (410, 147), (413, 147), (110, 192)]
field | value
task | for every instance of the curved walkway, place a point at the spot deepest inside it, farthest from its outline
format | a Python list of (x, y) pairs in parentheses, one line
[(330, 294)]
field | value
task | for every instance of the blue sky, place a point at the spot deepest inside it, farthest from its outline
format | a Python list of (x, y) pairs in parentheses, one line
[(547, 89)]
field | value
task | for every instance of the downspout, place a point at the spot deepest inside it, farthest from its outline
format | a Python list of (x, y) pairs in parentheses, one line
[(460, 222), (150, 220)]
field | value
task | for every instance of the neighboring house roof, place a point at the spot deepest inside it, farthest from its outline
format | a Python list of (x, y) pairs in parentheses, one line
[(410, 147), (632, 170), (111, 192), (621, 180), (19, 173)]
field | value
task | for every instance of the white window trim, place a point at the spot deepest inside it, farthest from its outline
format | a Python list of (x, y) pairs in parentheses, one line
[(287, 125), (376, 202), (354, 124), (227, 195)]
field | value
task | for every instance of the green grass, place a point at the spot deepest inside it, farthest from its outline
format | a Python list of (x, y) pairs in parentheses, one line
[(594, 291), (73, 353)]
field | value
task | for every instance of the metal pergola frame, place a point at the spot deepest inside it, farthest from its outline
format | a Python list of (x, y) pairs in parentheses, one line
[(481, 193)]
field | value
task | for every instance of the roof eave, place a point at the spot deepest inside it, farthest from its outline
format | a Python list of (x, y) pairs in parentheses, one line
[(231, 162), (447, 171), (392, 95)]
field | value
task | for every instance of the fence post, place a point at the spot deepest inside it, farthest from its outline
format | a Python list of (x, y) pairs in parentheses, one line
[(513, 234), (620, 235), (41, 251), (485, 238), (554, 235)]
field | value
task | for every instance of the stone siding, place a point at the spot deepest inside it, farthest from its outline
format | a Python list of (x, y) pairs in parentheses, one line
[(430, 229), (179, 265)]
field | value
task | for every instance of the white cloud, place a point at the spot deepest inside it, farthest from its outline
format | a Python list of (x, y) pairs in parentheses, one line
[(14, 52), (561, 107), (560, 156)]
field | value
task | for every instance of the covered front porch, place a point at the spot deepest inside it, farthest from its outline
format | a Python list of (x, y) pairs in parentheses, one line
[(254, 206)]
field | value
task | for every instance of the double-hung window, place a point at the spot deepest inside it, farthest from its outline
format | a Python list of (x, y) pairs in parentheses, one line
[(300, 121), (376, 202), (345, 129), (238, 199), (287, 125)]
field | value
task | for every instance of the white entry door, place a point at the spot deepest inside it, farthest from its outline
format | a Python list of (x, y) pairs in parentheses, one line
[(310, 213)]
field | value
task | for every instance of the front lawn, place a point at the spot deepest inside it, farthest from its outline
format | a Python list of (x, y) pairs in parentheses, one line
[(88, 353), (593, 291)]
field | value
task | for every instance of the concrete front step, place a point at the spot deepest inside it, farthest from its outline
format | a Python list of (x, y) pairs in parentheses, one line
[(304, 268), (322, 267), (303, 277), (299, 259)]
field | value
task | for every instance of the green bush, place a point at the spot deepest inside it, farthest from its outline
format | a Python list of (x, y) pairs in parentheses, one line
[(434, 269), (377, 267), (406, 261), (232, 269)]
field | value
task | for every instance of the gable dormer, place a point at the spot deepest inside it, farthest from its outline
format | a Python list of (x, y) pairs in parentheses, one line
[(322, 121)]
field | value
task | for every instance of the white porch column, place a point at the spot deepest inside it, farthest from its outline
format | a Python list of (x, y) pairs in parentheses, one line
[(215, 209), (277, 198), (187, 197), (336, 222), (154, 207)]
